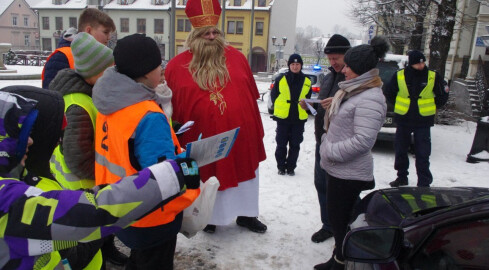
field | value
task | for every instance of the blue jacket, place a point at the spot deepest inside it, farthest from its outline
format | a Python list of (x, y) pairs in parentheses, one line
[(56, 63)]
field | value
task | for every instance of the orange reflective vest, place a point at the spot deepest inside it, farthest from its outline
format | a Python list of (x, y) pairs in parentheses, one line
[(67, 52), (112, 157)]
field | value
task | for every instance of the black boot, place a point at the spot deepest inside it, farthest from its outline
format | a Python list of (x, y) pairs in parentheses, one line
[(112, 254), (210, 228), (399, 182), (321, 236), (252, 223)]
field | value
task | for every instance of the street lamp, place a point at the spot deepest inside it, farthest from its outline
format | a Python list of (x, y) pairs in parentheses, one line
[(279, 52)]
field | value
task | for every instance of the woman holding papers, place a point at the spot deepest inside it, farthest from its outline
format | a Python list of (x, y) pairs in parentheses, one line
[(352, 122), (287, 91)]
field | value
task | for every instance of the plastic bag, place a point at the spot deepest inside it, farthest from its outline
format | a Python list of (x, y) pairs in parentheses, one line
[(198, 214)]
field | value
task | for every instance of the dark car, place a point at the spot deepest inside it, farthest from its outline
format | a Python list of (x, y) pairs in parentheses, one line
[(420, 228)]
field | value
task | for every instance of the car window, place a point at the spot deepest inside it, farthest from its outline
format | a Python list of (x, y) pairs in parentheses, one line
[(313, 78), (458, 246)]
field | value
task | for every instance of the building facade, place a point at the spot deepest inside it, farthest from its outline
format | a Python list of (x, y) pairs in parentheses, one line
[(18, 25)]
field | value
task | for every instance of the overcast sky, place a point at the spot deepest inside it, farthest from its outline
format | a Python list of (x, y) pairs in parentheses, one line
[(325, 14)]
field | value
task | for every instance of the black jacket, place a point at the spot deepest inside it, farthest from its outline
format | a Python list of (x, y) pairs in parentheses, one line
[(416, 81), (295, 82), (329, 87)]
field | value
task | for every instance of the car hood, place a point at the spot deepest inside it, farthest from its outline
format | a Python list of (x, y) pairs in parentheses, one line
[(390, 207)]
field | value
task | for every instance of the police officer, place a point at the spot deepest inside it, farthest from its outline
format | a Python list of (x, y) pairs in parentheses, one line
[(416, 92), (287, 91)]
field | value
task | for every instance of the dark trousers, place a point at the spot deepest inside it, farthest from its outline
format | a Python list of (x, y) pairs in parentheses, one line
[(422, 152), (342, 197), (157, 257), (290, 133), (321, 183)]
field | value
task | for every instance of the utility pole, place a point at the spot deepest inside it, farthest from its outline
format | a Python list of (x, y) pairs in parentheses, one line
[(173, 13), (223, 17), (250, 58)]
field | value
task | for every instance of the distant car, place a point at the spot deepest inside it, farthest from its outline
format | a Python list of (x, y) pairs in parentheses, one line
[(315, 74), (388, 66), (420, 228)]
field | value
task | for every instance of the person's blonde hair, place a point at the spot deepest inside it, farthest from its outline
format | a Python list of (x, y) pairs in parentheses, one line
[(208, 65)]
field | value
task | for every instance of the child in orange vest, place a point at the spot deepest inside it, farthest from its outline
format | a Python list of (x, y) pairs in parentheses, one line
[(132, 132)]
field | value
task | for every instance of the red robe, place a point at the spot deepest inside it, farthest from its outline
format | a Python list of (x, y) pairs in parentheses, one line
[(241, 110)]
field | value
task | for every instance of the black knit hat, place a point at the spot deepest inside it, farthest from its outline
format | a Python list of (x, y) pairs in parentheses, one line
[(416, 57), (295, 58), (363, 58), (136, 55), (337, 44)]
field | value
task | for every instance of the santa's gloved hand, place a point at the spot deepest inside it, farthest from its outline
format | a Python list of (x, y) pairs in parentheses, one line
[(187, 170)]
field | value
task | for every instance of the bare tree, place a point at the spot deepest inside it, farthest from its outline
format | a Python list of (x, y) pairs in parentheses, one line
[(303, 37), (442, 34)]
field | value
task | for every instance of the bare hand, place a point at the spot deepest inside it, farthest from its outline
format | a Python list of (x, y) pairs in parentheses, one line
[(303, 104), (325, 103)]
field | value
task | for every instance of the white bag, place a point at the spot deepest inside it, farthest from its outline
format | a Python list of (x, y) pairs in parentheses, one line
[(198, 214)]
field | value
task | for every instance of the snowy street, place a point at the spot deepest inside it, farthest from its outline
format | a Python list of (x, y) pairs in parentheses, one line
[(289, 204)]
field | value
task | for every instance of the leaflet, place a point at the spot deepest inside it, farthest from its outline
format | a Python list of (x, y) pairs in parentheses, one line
[(212, 149)]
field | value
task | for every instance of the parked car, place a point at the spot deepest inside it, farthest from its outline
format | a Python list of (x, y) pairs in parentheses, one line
[(315, 74), (420, 228)]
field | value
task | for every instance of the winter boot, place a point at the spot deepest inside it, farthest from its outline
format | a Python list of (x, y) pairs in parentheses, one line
[(321, 236), (252, 223), (281, 172), (290, 172), (399, 182), (210, 228)]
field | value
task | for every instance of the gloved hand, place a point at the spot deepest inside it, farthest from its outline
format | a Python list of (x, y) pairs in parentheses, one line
[(188, 171)]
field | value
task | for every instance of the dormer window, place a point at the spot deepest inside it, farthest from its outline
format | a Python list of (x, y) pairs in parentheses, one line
[(262, 3), (237, 3)]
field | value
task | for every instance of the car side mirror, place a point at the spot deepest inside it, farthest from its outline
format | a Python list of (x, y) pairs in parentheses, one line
[(373, 245)]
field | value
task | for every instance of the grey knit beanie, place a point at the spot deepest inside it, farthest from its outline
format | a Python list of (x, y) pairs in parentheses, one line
[(91, 57)]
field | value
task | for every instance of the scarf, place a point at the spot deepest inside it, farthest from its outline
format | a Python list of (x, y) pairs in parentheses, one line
[(349, 88)]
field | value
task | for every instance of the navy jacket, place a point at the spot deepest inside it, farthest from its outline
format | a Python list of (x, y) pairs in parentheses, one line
[(56, 63)]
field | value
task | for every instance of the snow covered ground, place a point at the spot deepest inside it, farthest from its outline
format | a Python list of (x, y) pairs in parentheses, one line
[(289, 205)]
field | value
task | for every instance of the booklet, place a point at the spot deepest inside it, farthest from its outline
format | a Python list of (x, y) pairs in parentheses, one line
[(212, 149)]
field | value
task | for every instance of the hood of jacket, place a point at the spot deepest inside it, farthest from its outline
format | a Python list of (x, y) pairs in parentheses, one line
[(67, 81), (115, 91)]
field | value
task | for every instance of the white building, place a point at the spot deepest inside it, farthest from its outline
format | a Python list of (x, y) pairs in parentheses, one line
[(282, 26)]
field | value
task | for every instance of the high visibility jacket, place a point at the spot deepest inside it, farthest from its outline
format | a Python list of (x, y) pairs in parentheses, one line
[(281, 107), (57, 162), (67, 52), (53, 260), (426, 99), (113, 159)]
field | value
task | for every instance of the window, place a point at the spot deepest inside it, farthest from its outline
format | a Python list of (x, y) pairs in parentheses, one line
[(237, 3), (185, 2), (262, 3), (141, 26), (188, 25), (231, 27), (27, 40), (235, 27), (14, 20), (239, 27), (45, 24), (183, 25), (259, 29), (46, 44), (59, 23), (180, 25), (73, 22), (26, 21), (159, 26), (124, 25)]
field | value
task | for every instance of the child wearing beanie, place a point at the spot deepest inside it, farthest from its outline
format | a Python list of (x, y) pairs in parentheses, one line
[(73, 161), (132, 133)]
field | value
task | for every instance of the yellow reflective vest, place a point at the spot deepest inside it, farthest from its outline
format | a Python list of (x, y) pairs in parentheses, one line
[(57, 162), (281, 106), (426, 100)]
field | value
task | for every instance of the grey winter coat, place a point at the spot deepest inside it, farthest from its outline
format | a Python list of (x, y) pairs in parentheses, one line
[(79, 136), (345, 148)]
